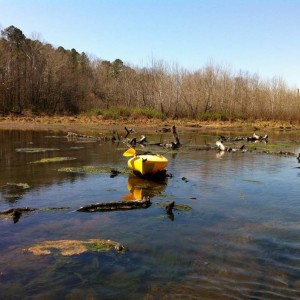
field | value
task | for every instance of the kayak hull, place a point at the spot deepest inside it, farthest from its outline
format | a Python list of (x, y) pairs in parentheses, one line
[(148, 164)]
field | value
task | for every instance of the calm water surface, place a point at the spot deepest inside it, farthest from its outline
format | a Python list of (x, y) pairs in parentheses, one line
[(240, 240)]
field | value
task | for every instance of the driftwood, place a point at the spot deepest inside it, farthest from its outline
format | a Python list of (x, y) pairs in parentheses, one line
[(142, 141), (115, 136), (129, 131), (17, 212), (170, 207), (18, 209), (252, 138), (221, 147), (74, 135), (173, 145), (113, 206), (175, 135)]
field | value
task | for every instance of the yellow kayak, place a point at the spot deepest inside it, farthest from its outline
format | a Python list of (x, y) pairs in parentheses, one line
[(146, 163)]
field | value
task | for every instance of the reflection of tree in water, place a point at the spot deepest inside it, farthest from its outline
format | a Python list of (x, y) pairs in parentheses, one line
[(20, 148), (12, 192)]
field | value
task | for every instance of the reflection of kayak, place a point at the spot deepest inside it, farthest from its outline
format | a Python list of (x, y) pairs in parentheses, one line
[(140, 188), (146, 163), (135, 188)]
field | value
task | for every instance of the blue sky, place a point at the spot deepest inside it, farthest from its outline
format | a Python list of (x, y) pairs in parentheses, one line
[(258, 36)]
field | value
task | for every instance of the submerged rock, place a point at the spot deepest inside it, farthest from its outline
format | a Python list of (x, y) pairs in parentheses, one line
[(74, 247)]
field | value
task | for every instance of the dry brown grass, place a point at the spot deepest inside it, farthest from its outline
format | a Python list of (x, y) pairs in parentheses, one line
[(98, 122)]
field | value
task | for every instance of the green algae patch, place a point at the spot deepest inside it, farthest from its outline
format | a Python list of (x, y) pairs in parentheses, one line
[(253, 181), (36, 150), (74, 247), (15, 186), (182, 207), (94, 170), (271, 147), (52, 159), (76, 148)]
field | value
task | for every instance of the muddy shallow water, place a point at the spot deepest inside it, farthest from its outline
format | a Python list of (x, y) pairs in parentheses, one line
[(238, 238)]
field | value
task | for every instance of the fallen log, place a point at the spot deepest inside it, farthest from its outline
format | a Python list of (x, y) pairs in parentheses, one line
[(18, 209), (113, 206), (128, 131), (16, 213), (253, 138)]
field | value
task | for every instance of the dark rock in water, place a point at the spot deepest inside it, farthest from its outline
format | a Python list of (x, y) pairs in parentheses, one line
[(114, 173)]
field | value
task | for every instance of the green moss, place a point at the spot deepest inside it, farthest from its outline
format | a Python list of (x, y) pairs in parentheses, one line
[(20, 185), (52, 159), (254, 181), (93, 170), (116, 112), (103, 245), (182, 207), (74, 247), (36, 150)]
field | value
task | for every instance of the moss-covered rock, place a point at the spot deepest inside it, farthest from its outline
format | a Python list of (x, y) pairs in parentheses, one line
[(74, 247)]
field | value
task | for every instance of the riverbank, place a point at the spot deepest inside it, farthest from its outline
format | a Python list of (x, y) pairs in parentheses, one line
[(83, 122)]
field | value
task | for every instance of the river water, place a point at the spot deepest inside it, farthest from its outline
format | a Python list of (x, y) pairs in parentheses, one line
[(238, 239)]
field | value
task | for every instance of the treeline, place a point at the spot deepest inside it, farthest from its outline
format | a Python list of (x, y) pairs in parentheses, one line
[(40, 78)]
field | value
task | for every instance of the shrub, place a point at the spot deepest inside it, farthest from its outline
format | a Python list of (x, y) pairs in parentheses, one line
[(147, 112), (212, 116), (116, 112)]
